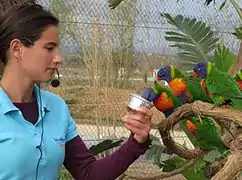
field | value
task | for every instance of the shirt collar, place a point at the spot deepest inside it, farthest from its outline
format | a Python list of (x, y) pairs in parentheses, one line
[(6, 105)]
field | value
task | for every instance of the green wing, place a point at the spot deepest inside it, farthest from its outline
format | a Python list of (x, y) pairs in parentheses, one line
[(222, 84), (223, 87), (207, 135), (195, 90)]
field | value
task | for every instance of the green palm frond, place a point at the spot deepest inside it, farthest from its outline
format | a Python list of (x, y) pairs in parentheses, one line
[(114, 3), (233, 2), (237, 8), (224, 58), (195, 39), (207, 2), (238, 33)]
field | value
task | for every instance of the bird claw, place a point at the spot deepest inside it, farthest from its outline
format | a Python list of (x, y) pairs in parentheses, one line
[(197, 113), (226, 106)]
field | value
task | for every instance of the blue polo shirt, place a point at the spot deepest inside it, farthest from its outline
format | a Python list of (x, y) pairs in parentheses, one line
[(20, 139)]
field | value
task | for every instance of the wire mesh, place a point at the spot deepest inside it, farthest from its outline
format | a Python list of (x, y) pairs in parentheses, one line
[(110, 54)]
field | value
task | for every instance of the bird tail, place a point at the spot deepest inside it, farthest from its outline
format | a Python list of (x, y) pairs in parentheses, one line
[(236, 103)]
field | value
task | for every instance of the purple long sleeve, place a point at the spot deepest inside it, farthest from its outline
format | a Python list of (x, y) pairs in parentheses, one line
[(83, 165)]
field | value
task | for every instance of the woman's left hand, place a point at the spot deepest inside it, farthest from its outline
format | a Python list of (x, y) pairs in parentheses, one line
[(139, 123)]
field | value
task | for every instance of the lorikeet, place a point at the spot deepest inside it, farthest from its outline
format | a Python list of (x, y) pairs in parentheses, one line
[(221, 87), (206, 134), (188, 89), (162, 98), (238, 79), (165, 101)]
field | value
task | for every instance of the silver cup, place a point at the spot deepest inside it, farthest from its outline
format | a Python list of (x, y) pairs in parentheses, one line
[(137, 101)]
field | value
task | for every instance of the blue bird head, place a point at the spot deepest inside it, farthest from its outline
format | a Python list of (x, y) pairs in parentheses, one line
[(200, 70), (164, 73)]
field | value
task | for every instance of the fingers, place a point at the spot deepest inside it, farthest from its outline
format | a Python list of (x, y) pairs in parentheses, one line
[(134, 120), (138, 128), (142, 115), (142, 133), (142, 111), (139, 123)]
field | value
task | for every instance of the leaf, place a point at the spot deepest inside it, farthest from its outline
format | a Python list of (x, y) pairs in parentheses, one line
[(195, 39), (224, 59), (222, 5), (173, 163), (207, 2), (155, 151), (238, 32), (237, 8), (104, 146), (194, 172), (114, 3), (211, 156)]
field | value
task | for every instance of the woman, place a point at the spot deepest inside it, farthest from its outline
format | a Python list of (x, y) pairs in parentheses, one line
[(37, 132)]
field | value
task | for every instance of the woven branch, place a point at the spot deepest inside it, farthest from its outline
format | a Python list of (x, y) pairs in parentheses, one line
[(233, 164)]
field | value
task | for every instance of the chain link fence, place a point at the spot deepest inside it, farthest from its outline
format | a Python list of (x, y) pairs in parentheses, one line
[(110, 54)]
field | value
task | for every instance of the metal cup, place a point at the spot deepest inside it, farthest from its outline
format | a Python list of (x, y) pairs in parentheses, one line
[(137, 101)]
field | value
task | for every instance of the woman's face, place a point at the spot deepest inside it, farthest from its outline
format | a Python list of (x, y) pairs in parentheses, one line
[(38, 62)]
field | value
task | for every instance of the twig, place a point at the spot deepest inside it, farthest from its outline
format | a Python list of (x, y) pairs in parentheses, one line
[(231, 167), (204, 109), (234, 162), (169, 174), (178, 149), (216, 167)]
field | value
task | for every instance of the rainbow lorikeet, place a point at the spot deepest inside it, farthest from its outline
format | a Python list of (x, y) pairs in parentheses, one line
[(206, 134), (162, 98), (222, 88), (238, 79), (165, 101), (188, 89)]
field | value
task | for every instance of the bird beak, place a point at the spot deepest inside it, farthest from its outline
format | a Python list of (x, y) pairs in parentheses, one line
[(194, 74), (158, 78)]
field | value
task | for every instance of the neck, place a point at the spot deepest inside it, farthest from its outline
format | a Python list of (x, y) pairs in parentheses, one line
[(18, 88), (175, 73), (209, 67), (240, 75)]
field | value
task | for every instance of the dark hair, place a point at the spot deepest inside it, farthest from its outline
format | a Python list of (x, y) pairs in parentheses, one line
[(24, 21)]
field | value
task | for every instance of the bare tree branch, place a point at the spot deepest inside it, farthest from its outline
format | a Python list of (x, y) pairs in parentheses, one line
[(168, 174), (234, 163)]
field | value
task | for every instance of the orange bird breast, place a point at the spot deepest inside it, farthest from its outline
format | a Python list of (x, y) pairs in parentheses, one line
[(178, 86), (239, 83), (190, 126), (163, 103)]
